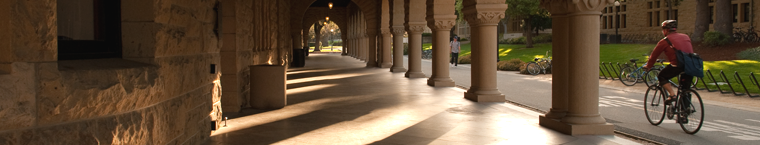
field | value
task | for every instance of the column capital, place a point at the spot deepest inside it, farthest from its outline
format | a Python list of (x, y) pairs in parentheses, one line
[(442, 22), (385, 31), (484, 14), (575, 7), (415, 27), (398, 30)]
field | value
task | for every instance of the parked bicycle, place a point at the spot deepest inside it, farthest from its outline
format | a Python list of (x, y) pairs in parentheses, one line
[(688, 108), (539, 65), (745, 36), (630, 76), (427, 54)]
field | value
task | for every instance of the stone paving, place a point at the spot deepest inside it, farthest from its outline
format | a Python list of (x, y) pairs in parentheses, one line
[(336, 100)]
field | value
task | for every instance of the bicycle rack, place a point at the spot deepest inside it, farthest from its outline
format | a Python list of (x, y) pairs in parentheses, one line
[(617, 72), (701, 79), (716, 82), (752, 75), (608, 71), (729, 85), (602, 71), (739, 78)]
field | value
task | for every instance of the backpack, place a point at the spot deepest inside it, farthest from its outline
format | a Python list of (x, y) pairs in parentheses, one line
[(690, 62)]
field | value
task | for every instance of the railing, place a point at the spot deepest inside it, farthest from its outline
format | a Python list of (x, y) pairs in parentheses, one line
[(608, 71)]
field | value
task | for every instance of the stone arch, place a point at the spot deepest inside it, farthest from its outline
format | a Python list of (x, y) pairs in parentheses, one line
[(368, 7), (317, 14)]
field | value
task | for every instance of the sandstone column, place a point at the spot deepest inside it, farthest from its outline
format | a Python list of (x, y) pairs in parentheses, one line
[(371, 48), (397, 29), (415, 24), (440, 18), (483, 18), (559, 64), (386, 47), (583, 85)]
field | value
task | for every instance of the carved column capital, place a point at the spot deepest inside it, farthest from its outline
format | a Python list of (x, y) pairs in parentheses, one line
[(398, 30), (484, 14), (441, 22), (575, 7), (415, 27), (385, 31)]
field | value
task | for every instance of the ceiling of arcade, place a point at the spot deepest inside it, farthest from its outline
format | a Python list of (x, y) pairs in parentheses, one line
[(300, 7)]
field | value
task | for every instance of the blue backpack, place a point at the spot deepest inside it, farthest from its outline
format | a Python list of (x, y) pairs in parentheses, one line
[(690, 62)]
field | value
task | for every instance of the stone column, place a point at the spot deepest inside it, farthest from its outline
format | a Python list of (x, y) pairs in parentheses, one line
[(386, 47), (441, 24), (583, 115), (398, 49), (559, 65), (371, 48), (483, 18), (415, 50), (397, 29)]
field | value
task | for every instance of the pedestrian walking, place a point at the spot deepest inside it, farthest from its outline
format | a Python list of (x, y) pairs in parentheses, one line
[(455, 50)]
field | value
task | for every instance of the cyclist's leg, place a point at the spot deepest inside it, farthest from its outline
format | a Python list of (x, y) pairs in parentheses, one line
[(666, 74), (685, 82)]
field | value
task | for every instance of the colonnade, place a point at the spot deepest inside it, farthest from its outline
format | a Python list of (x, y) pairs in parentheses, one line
[(575, 87)]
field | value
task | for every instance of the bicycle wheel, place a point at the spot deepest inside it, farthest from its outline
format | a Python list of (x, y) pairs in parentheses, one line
[(627, 76), (654, 105), (650, 78), (545, 65), (693, 110), (750, 37), (533, 68), (737, 37)]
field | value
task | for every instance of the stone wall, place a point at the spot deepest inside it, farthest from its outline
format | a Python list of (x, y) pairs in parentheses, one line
[(638, 29), (256, 34), (160, 92)]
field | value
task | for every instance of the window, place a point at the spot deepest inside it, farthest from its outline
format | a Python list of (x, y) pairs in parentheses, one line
[(735, 8), (712, 14), (657, 18), (89, 29), (605, 10), (604, 21), (649, 14), (656, 4), (617, 8), (624, 20), (625, 8), (649, 5), (667, 15), (610, 22), (675, 15), (745, 12)]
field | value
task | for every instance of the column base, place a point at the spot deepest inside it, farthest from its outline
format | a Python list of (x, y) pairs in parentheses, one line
[(441, 83), (386, 65), (398, 69), (372, 65), (415, 75), (576, 129), (484, 97)]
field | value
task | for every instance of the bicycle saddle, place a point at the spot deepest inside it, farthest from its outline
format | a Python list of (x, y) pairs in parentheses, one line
[(634, 60)]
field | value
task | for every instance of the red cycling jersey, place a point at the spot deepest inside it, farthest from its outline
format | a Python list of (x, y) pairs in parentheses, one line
[(680, 41)]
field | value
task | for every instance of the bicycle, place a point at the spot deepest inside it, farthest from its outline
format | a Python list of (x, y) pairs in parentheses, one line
[(630, 76), (690, 115), (539, 65), (748, 36)]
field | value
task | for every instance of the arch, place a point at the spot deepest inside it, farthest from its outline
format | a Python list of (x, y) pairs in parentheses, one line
[(318, 13), (368, 7)]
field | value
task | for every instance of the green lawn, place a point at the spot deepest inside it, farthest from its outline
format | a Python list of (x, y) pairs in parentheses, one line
[(621, 53), (327, 49)]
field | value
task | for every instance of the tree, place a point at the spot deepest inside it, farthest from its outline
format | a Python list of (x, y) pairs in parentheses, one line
[(528, 10), (724, 17), (702, 22)]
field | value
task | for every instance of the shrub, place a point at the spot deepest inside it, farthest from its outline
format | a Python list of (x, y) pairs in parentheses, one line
[(523, 69), (406, 48), (510, 65), (427, 34), (750, 54), (463, 39), (713, 38), (543, 38), (465, 59)]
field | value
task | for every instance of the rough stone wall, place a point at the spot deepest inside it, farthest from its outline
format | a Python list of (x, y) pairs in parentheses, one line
[(637, 26), (261, 36), (161, 92)]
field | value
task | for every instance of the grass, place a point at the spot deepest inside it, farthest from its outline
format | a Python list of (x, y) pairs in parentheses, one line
[(622, 53), (327, 49)]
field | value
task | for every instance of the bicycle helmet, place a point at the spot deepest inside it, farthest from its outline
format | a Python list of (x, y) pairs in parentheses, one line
[(671, 25)]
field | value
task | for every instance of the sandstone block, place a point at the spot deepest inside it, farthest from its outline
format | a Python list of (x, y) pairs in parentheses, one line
[(268, 87)]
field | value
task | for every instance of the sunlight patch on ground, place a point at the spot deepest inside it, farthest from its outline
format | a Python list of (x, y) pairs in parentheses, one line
[(325, 77), (311, 71)]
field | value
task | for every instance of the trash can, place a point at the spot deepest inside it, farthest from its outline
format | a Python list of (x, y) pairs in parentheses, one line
[(268, 86)]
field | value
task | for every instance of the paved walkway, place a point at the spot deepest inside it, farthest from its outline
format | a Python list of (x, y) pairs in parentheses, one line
[(336, 100)]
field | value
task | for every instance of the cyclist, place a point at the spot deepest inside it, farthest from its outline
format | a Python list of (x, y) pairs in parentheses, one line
[(681, 42)]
